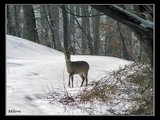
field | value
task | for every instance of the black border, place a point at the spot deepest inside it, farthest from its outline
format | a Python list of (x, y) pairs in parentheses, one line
[(2, 46)]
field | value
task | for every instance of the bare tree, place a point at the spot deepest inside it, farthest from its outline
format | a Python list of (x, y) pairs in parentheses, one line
[(110, 32), (54, 19), (96, 31), (72, 30), (45, 26), (10, 26), (77, 9), (65, 27), (13, 20), (86, 27), (124, 49), (142, 28), (84, 37), (30, 24), (17, 19)]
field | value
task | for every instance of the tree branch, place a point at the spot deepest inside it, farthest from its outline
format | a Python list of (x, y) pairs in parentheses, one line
[(143, 27)]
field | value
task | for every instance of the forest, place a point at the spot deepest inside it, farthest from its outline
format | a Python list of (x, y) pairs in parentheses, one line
[(89, 31), (119, 31)]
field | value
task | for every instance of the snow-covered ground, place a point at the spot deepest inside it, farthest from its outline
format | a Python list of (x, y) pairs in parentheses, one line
[(33, 69)]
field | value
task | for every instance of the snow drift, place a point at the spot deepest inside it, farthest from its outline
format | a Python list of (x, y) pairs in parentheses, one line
[(32, 69)]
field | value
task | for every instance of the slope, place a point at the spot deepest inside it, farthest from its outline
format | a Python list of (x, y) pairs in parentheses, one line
[(33, 69)]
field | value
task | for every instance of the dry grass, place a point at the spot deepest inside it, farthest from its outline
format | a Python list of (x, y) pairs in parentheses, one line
[(127, 91)]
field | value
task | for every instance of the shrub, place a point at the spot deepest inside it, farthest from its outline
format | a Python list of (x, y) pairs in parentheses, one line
[(127, 91)]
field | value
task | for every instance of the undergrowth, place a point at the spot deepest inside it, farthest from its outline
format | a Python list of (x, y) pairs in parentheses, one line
[(127, 91)]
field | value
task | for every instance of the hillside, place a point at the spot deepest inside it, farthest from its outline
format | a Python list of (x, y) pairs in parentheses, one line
[(34, 69)]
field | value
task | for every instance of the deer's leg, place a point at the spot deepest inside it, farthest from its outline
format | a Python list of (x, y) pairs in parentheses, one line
[(69, 80), (86, 81), (70, 77), (86, 77), (81, 75), (72, 80)]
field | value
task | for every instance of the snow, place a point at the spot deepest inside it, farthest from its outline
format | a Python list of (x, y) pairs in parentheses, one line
[(33, 69)]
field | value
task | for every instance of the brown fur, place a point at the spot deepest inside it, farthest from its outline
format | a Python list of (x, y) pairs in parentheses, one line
[(77, 67)]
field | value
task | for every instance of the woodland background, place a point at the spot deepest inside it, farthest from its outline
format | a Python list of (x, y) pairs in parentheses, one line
[(88, 31)]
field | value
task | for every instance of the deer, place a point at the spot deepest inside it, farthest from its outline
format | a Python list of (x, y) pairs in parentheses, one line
[(76, 67)]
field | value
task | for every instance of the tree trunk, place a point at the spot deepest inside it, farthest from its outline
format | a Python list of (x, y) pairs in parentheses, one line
[(45, 26), (10, 28), (77, 9), (65, 27), (52, 28), (72, 30), (142, 28), (124, 49), (86, 21), (54, 10), (17, 19), (30, 23), (84, 38), (96, 31), (12, 25)]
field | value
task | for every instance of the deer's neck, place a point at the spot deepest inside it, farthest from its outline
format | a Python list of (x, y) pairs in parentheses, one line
[(68, 62), (68, 65)]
